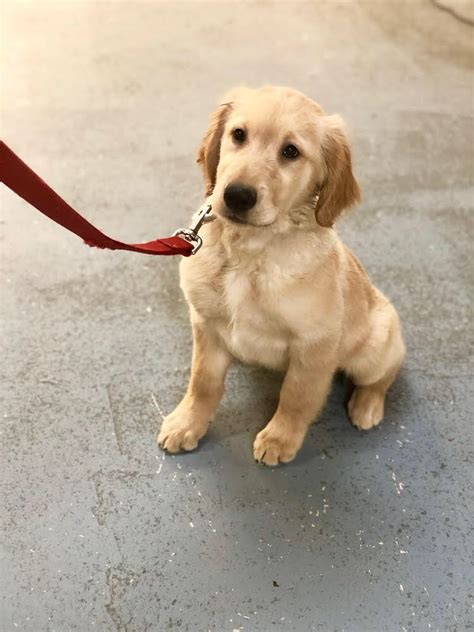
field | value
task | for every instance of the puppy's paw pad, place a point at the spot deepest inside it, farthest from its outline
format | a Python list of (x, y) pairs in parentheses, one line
[(366, 408), (178, 436), (272, 448)]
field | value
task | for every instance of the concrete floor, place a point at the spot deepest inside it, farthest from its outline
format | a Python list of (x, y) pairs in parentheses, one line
[(363, 532)]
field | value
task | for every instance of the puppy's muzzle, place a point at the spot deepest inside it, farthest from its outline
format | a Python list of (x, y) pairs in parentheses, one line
[(239, 198)]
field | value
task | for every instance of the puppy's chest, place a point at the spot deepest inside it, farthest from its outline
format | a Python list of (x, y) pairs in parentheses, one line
[(254, 328), (249, 296)]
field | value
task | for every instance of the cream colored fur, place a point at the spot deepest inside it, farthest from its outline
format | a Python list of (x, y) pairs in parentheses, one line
[(282, 291)]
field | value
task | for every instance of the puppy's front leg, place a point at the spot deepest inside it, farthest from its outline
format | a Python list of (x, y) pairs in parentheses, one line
[(303, 394), (182, 429)]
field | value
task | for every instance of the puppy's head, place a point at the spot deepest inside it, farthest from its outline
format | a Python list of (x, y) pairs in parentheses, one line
[(272, 157)]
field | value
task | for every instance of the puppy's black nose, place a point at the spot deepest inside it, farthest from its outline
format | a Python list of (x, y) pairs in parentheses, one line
[(239, 197)]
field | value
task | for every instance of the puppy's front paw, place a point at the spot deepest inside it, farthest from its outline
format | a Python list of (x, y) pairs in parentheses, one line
[(366, 407), (178, 434), (275, 444)]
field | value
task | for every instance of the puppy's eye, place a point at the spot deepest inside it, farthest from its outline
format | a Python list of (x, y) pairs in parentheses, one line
[(291, 152), (239, 135)]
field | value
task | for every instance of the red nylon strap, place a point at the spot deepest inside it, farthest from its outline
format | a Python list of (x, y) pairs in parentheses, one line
[(16, 175)]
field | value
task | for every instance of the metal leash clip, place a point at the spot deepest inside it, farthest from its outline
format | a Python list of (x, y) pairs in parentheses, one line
[(190, 234)]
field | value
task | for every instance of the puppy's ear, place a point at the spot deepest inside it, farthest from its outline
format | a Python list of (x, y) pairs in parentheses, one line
[(339, 189), (209, 152)]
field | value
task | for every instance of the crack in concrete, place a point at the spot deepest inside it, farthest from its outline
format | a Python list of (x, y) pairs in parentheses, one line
[(118, 579), (100, 513), (115, 423), (116, 585)]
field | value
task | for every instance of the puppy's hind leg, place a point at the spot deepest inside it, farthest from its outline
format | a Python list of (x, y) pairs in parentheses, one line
[(366, 405), (374, 368)]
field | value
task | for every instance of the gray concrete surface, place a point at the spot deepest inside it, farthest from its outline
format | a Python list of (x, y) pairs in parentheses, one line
[(101, 531)]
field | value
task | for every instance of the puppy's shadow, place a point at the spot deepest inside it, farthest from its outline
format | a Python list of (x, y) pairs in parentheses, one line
[(251, 398), (331, 430), (334, 434)]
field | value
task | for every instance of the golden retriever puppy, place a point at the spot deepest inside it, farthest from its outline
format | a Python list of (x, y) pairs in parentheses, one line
[(273, 285)]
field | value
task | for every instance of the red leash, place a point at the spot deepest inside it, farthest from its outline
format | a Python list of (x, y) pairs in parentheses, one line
[(16, 175)]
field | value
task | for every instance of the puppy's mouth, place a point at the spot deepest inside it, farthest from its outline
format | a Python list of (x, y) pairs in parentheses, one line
[(233, 218), (236, 219)]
